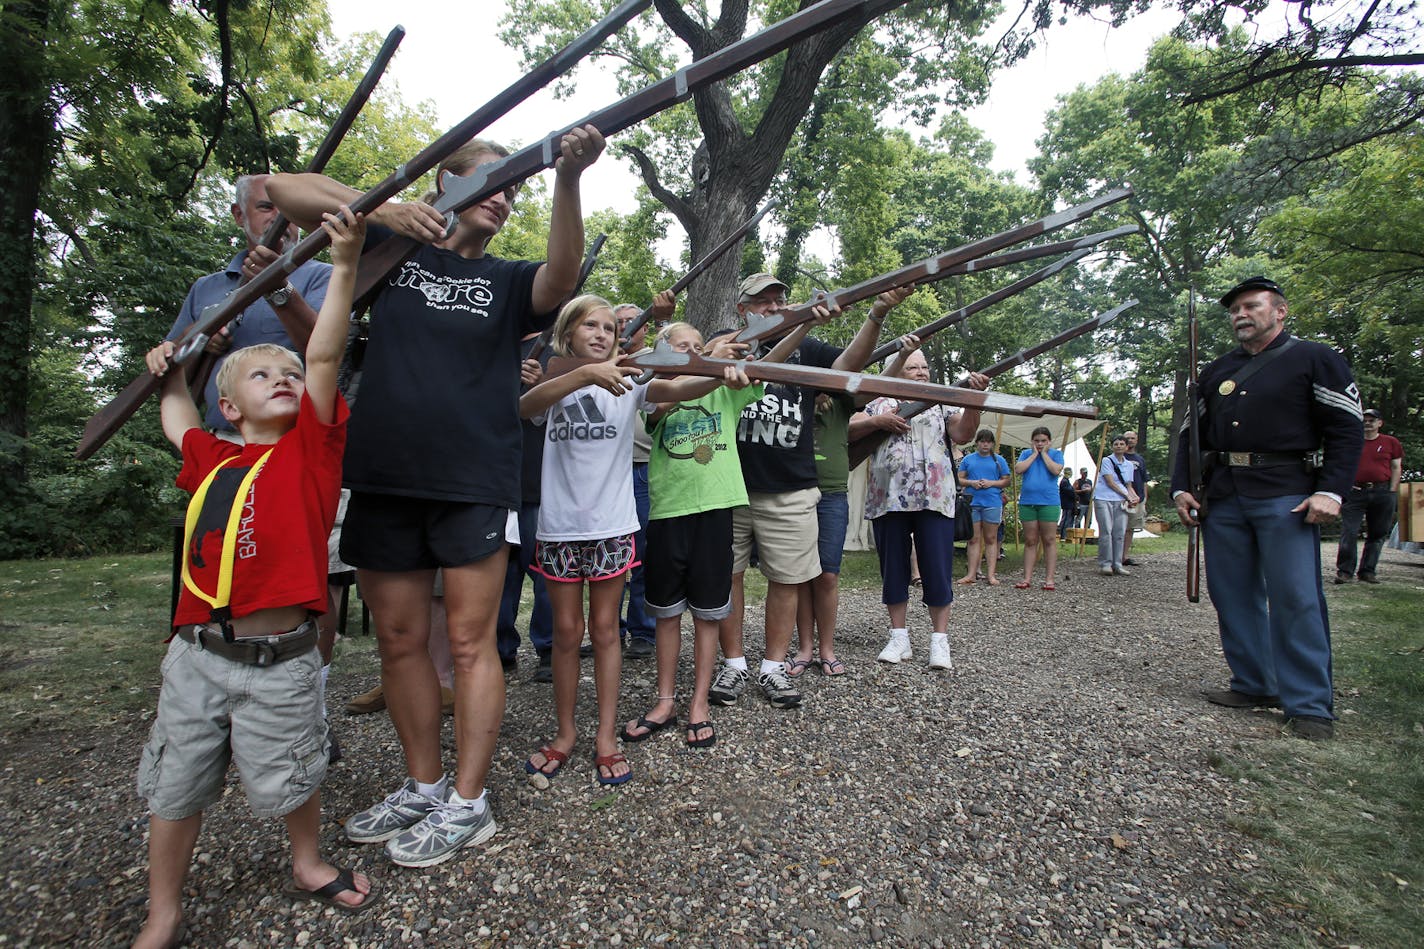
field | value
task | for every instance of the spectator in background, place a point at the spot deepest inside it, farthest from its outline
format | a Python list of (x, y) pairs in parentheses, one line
[(1083, 488), (984, 474), (1110, 499), (1068, 501), (1136, 513), (1372, 499), (1038, 508)]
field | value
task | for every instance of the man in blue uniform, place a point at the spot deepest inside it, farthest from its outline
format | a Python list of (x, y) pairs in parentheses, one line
[(1280, 438)]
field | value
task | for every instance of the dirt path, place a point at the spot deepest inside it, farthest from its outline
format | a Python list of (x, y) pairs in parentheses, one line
[(1057, 789)]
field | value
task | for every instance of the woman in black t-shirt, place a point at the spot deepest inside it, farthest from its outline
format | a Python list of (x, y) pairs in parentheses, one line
[(433, 463)]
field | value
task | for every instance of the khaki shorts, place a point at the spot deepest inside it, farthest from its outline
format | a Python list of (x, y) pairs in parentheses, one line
[(265, 719), (1137, 518), (785, 530), (334, 563)]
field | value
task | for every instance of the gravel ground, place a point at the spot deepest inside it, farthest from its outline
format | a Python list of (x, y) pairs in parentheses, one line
[(1056, 788)]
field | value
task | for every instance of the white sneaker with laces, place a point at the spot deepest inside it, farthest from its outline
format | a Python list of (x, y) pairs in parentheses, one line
[(939, 652), (897, 649)]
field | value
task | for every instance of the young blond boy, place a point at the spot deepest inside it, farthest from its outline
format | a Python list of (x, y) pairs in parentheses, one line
[(240, 680)]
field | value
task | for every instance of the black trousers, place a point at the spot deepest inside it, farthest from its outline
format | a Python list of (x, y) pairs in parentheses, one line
[(1375, 507)]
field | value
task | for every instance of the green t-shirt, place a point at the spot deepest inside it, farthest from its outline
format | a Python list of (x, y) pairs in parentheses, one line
[(694, 465), (832, 456)]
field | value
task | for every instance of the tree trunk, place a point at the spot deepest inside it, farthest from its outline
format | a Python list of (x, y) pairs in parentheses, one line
[(27, 129), (712, 297)]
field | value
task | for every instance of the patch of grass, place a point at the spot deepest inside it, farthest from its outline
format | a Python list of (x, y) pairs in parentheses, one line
[(1344, 820), (82, 638)]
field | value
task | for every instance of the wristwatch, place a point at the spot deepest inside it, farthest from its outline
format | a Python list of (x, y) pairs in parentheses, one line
[(280, 296)]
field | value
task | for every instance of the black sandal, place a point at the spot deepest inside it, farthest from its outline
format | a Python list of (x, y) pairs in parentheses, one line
[(652, 728), (693, 728)]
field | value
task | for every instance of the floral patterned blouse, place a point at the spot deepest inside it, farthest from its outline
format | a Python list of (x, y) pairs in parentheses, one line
[(914, 471)]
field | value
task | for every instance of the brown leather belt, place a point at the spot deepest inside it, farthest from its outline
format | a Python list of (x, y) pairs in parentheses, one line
[(1259, 459), (257, 651)]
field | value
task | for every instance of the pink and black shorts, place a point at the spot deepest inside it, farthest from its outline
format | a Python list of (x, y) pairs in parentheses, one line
[(572, 561)]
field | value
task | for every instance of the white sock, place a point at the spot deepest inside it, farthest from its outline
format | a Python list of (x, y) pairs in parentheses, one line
[(476, 804), (768, 666), (435, 791), (738, 663), (901, 633), (939, 638)]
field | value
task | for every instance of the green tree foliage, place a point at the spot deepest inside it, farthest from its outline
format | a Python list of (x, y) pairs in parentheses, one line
[(150, 110), (1356, 274), (1227, 187)]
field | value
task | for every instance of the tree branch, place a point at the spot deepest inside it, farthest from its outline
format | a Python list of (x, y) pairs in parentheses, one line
[(1303, 65), (697, 37), (649, 173)]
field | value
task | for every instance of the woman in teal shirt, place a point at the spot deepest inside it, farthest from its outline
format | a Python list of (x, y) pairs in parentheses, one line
[(1038, 505)]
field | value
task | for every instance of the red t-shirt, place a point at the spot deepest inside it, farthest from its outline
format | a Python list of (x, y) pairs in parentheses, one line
[(1375, 459), (289, 511)]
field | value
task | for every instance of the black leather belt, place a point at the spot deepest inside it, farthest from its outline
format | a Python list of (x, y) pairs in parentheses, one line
[(1367, 485), (259, 651), (1259, 459)]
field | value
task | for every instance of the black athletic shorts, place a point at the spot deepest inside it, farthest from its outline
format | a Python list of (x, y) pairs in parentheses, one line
[(396, 534), (690, 566)]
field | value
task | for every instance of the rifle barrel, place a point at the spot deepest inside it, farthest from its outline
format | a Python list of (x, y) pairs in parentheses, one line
[(630, 333), (983, 303), (108, 419), (928, 270), (863, 447)]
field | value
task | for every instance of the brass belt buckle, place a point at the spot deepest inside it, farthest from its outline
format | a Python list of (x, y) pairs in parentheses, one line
[(1239, 459)]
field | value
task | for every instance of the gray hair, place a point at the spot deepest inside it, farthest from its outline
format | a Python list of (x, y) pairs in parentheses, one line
[(244, 189)]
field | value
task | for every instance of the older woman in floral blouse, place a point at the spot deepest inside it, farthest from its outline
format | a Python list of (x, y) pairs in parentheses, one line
[(911, 495)]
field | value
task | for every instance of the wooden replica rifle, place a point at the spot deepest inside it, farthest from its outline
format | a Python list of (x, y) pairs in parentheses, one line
[(590, 259), (108, 419), (272, 238), (460, 192), (664, 360), (630, 333), (926, 271), (862, 448), (1195, 476), (983, 303)]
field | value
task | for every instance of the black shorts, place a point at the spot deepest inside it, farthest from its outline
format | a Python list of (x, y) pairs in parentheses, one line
[(690, 566), (392, 533)]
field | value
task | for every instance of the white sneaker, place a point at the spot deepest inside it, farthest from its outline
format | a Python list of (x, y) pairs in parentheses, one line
[(897, 649), (939, 652), (1122, 571), (1106, 570)]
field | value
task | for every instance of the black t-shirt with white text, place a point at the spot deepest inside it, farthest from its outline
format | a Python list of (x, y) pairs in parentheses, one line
[(439, 410), (775, 435)]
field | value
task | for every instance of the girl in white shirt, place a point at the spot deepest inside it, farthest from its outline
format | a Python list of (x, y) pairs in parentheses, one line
[(587, 516)]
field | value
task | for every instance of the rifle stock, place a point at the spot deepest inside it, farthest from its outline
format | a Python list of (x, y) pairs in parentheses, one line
[(862, 448), (108, 419), (1195, 475)]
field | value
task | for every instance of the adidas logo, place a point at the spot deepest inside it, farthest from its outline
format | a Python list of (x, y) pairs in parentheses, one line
[(580, 420)]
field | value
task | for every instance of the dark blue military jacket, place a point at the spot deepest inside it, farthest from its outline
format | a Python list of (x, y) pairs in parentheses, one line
[(1302, 401)]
